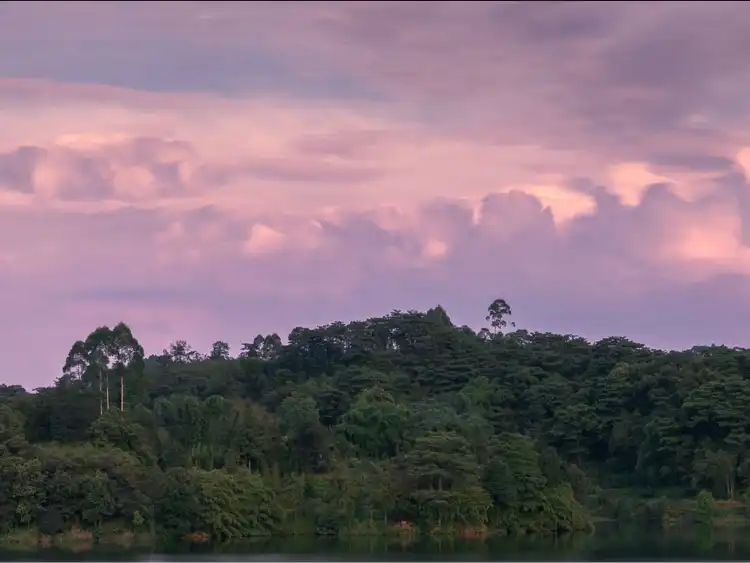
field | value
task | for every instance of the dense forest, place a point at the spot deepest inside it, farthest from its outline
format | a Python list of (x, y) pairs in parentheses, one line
[(403, 423)]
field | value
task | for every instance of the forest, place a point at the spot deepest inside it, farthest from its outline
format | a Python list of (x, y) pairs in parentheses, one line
[(404, 423)]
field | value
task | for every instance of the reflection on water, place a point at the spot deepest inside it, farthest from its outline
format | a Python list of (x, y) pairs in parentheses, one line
[(613, 544)]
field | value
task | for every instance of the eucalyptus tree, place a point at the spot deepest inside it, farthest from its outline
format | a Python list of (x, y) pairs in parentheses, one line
[(104, 351), (125, 354)]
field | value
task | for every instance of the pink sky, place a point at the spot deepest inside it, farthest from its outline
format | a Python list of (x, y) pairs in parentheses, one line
[(209, 171)]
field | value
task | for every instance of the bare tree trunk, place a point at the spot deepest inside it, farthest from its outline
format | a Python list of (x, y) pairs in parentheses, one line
[(101, 398), (107, 385), (122, 393)]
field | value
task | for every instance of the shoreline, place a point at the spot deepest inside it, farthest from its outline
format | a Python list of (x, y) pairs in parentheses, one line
[(80, 540), (74, 540), (621, 511)]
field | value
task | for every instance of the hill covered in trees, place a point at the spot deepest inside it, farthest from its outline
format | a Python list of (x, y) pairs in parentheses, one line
[(404, 423)]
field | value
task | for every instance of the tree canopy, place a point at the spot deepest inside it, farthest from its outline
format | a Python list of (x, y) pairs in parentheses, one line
[(400, 420)]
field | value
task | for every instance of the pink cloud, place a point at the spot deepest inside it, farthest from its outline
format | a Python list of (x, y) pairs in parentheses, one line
[(559, 158)]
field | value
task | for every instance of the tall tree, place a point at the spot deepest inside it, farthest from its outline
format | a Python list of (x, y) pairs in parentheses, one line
[(497, 315), (126, 354), (88, 360), (105, 350)]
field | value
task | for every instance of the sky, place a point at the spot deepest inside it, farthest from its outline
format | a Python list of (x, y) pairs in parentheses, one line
[(215, 170)]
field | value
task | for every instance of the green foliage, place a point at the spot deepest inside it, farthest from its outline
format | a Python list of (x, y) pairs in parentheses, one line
[(359, 427), (138, 520), (223, 504), (375, 423), (704, 507)]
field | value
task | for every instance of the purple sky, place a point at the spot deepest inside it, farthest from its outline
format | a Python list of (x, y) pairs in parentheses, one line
[(209, 171)]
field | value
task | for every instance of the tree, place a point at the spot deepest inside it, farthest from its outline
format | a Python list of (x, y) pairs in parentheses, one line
[(98, 500), (125, 353), (308, 441), (105, 350), (445, 472), (12, 440), (497, 314), (376, 423), (88, 360), (219, 351), (442, 460), (180, 352), (252, 349), (271, 347)]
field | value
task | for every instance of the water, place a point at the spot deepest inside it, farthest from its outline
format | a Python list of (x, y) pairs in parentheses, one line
[(634, 544)]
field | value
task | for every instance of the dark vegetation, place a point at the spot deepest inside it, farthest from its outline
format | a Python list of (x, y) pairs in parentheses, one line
[(402, 423)]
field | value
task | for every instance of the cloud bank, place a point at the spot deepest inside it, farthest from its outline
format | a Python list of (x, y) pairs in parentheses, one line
[(211, 171)]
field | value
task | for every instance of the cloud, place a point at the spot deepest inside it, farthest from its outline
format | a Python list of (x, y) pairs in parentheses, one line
[(212, 171)]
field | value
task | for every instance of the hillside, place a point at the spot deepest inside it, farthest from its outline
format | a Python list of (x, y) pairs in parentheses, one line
[(400, 423)]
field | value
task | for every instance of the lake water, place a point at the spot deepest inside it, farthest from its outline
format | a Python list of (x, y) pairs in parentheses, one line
[(605, 545)]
